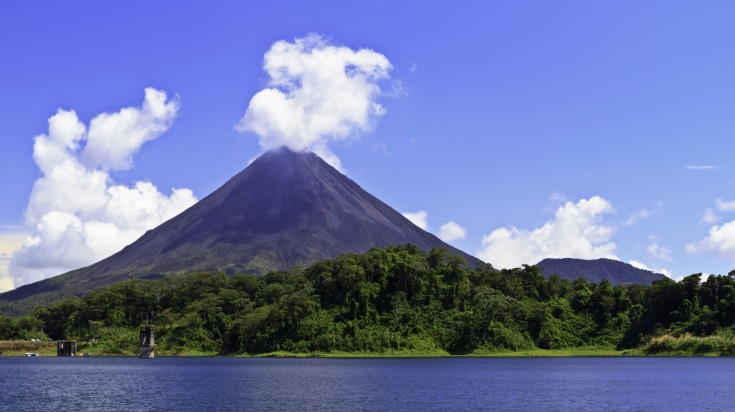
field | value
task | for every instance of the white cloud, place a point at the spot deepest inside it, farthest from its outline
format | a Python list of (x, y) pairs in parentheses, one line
[(452, 231), (396, 90), (659, 252), (701, 167), (637, 217), (577, 231), (639, 265), (643, 266), (6, 281), (323, 151), (9, 242), (557, 198), (448, 232), (419, 218), (114, 138), (710, 217), (725, 205), (317, 92), (76, 213), (720, 240), (11, 239), (644, 213)]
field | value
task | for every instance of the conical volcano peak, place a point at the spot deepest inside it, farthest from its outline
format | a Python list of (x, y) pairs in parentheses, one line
[(284, 163), (284, 153), (286, 209)]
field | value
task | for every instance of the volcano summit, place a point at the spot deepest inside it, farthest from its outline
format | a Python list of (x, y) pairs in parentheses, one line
[(284, 210)]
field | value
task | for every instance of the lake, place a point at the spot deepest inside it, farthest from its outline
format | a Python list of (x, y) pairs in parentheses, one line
[(423, 384)]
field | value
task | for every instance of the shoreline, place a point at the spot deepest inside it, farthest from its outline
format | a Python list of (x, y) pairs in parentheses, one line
[(48, 349)]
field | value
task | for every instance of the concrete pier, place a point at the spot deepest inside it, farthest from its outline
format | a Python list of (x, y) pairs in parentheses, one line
[(147, 342), (66, 348)]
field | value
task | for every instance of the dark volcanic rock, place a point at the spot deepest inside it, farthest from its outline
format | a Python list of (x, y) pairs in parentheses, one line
[(285, 209), (614, 271)]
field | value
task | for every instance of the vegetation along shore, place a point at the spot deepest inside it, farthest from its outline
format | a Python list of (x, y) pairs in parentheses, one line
[(394, 301)]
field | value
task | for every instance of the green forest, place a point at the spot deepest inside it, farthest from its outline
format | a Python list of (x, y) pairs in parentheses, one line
[(392, 300)]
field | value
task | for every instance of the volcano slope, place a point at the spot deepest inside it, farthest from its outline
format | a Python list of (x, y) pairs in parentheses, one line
[(286, 209)]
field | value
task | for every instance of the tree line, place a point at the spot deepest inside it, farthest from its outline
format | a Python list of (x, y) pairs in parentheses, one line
[(397, 298)]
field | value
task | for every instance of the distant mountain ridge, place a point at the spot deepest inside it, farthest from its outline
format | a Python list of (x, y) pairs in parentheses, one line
[(596, 270), (285, 209)]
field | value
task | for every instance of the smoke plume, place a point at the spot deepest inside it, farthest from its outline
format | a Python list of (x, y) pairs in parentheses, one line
[(317, 92)]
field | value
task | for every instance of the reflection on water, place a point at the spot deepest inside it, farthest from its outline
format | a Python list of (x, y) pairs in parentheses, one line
[(221, 384)]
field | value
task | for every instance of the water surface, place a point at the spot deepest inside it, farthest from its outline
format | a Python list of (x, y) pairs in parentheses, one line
[(432, 384)]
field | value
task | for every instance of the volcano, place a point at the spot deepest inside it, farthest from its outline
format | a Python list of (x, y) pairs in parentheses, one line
[(286, 209)]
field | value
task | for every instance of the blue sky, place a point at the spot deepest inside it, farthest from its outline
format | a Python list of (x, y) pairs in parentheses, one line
[(583, 128)]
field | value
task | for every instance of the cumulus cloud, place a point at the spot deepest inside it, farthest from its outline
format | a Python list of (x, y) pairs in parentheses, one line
[(577, 231), (720, 240), (659, 252), (317, 92), (114, 138), (448, 232), (76, 213), (420, 218), (452, 231)]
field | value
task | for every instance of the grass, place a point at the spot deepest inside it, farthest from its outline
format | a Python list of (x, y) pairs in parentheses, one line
[(566, 352), (720, 344), (184, 352), (339, 354), (569, 352), (20, 348)]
